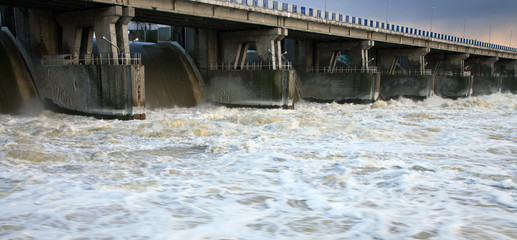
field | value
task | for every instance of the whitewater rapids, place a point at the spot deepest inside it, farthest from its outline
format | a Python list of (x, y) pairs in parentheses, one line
[(436, 169)]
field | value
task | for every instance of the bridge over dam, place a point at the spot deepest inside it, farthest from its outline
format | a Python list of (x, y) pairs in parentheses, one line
[(90, 56)]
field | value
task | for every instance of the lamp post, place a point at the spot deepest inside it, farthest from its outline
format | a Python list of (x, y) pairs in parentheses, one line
[(465, 27), (432, 13), (112, 44), (511, 33), (325, 5), (387, 8), (490, 35)]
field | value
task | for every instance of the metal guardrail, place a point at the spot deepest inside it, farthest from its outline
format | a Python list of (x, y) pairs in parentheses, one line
[(487, 75), (341, 70), (410, 72), (454, 74), (92, 59), (251, 66)]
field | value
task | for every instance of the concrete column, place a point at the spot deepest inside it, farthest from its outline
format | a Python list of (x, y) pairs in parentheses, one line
[(105, 32), (268, 43), (508, 71), (302, 54), (206, 50), (458, 62), (103, 22), (365, 47), (390, 58), (128, 13), (328, 53), (87, 44), (481, 65), (435, 62), (72, 36), (45, 34), (506, 67), (450, 63)]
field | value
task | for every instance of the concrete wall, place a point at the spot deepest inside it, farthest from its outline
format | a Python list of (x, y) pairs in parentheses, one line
[(452, 86), (413, 86), (340, 87), (261, 88), (486, 85), (107, 91), (509, 84)]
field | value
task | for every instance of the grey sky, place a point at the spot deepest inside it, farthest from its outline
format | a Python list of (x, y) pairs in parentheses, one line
[(448, 15)]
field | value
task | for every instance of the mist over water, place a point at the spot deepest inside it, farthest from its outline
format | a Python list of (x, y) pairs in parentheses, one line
[(436, 169)]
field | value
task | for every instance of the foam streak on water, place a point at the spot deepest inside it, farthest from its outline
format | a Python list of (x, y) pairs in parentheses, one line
[(437, 169)]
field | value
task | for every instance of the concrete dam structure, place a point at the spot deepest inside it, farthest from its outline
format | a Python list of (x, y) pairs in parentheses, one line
[(87, 57)]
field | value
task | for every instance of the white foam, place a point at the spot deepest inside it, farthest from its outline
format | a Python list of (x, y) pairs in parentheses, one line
[(400, 169)]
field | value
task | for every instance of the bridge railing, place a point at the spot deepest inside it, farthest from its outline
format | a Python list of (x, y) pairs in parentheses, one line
[(329, 69), (251, 66), (410, 72), (92, 59), (454, 74), (363, 22), (487, 75)]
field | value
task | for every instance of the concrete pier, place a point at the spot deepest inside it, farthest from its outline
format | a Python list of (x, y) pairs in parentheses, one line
[(509, 84), (262, 80), (410, 86), (449, 86), (485, 85), (337, 71), (104, 91), (106, 85), (252, 88), (404, 73), (340, 87)]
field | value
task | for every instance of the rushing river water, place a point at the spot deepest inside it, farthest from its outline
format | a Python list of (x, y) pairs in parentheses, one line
[(437, 169)]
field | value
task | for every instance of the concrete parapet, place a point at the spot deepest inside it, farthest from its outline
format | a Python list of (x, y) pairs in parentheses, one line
[(412, 86), (340, 87), (105, 91), (453, 86), (261, 88)]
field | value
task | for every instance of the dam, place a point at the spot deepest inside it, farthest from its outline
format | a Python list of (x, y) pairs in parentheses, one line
[(442, 167), (114, 59)]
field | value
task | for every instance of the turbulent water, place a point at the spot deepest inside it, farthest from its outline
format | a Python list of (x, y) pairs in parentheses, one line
[(437, 169)]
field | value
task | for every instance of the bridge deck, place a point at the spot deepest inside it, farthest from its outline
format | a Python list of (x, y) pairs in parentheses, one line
[(300, 21)]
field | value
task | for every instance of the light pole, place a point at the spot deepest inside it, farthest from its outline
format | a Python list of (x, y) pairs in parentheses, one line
[(511, 33), (490, 35), (465, 27), (325, 5), (387, 8), (432, 13)]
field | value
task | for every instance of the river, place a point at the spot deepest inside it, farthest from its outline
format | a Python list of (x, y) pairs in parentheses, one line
[(434, 169)]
